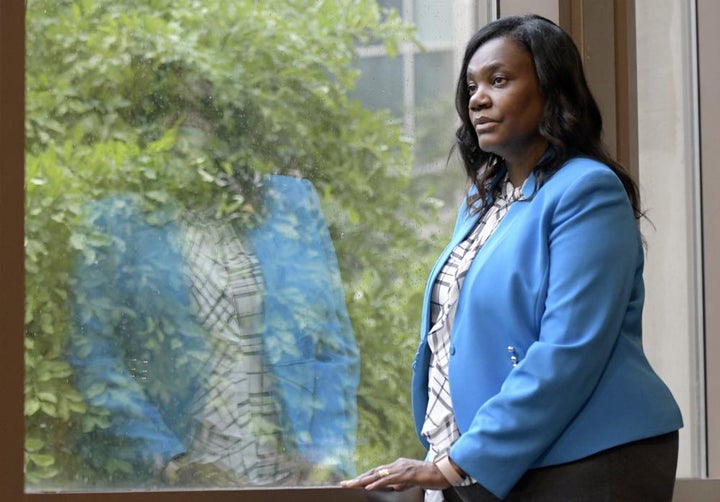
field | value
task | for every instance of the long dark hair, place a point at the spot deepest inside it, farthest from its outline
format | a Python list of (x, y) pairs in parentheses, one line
[(571, 120)]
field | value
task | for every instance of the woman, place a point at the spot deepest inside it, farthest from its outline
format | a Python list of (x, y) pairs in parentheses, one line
[(530, 381)]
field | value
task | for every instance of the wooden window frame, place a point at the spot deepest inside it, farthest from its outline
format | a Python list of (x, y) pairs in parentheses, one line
[(12, 106)]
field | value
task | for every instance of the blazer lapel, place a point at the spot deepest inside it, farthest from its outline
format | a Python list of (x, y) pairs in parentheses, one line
[(506, 223)]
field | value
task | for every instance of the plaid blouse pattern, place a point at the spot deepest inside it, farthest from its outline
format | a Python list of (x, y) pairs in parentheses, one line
[(439, 427), (238, 428)]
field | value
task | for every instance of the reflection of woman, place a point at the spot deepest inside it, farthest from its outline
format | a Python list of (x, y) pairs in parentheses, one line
[(222, 355), (530, 382)]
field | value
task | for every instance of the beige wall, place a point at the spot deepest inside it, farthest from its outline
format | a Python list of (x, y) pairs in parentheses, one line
[(709, 76), (667, 170)]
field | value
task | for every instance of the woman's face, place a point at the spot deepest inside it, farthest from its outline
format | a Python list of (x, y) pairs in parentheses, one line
[(506, 103)]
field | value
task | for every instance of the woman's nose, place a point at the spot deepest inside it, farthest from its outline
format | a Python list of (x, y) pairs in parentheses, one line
[(478, 99)]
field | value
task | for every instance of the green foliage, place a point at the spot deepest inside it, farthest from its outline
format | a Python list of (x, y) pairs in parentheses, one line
[(166, 99)]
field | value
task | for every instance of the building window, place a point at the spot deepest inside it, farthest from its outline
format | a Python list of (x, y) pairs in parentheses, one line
[(226, 236)]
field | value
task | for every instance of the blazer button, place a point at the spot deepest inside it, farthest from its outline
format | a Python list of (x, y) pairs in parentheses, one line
[(452, 349)]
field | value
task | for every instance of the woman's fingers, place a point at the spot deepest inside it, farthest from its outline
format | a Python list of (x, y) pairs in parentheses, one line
[(367, 479), (399, 475)]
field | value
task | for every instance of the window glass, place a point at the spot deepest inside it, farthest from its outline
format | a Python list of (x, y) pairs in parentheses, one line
[(391, 4), (434, 20), (434, 106), (380, 84), (226, 240)]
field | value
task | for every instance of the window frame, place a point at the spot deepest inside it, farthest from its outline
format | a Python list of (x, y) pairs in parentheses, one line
[(12, 105)]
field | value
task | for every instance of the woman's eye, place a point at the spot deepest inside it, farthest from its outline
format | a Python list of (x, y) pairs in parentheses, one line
[(471, 88), (498, 80)]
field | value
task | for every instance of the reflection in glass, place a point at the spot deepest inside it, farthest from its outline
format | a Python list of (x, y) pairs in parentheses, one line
[(221, 353)]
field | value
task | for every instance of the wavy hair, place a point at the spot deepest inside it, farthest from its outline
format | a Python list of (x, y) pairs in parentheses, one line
[(571, 121)]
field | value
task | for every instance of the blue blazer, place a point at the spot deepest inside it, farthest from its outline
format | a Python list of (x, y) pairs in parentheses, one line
[(559, 286), (139, 351)]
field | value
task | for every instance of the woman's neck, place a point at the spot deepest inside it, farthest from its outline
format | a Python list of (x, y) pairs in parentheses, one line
[(519, 169)]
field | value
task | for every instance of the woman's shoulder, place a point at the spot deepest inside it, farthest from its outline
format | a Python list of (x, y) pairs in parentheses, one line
[(584, 173), (579, 166), (583, 183)]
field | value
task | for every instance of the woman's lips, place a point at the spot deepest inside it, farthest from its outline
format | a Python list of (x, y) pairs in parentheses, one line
[(483, 124)]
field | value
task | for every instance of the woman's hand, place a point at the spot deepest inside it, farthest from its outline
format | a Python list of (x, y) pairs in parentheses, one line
[(400, 475)]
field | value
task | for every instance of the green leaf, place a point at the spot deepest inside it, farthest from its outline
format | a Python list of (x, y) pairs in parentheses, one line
[(33, 444), (48, 397), (41, 460), (31, 406)]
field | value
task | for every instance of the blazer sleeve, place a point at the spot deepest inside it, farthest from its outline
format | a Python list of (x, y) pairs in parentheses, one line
[(595, 259), (308, 338), (334, 423), (116, 369)]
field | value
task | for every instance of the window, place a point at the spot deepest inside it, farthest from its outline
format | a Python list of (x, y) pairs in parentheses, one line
[(217, 237)]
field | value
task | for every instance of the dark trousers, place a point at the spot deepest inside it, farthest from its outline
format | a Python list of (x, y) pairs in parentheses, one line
[(641, 471)]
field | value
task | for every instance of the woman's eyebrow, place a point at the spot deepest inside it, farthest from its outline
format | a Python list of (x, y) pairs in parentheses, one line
[(489, 68)]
